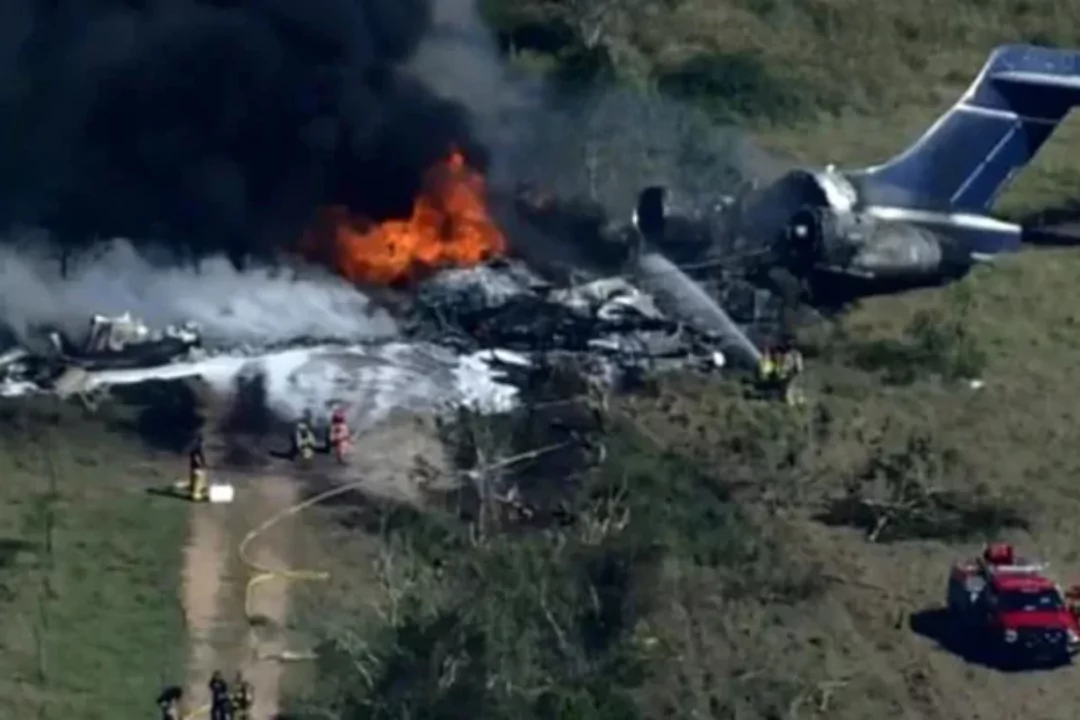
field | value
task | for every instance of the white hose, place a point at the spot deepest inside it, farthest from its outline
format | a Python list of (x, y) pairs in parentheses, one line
[(683, 297)]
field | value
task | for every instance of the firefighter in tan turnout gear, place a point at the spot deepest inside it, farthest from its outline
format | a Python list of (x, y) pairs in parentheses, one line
[(243, 697), (196, 487), (304, 438), (790, 368)]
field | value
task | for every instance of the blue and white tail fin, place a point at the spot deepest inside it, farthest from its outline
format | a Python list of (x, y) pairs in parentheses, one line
[(966, 158)]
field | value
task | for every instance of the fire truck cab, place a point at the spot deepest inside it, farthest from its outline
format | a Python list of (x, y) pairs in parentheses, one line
[(1009, 607)]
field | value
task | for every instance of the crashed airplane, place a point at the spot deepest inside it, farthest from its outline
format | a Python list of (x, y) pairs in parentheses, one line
[(920, 218)]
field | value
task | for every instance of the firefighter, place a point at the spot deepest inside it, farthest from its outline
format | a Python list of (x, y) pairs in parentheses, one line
[(791, 361), (243, 697), (767, 372), (197, 486), (169, 702), (598, 401), (998, 553), (304, 438), (220, 700), (339, 435), (790, 367), (1072, 600)]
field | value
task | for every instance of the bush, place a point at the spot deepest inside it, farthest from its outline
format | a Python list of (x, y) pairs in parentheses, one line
[(542, 36), (920, 489), (732, 85), (934, 343)]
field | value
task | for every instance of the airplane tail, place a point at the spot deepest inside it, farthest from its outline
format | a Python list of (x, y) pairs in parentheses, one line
[(968, 156)]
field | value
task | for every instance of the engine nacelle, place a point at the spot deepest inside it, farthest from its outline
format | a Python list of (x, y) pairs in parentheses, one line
[(858, 244)]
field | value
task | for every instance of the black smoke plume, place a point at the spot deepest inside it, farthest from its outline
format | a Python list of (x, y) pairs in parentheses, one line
[(213, 125)]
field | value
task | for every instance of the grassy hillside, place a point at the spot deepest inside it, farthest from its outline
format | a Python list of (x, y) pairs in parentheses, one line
[(816, 56), (90, 619), (820, 80)]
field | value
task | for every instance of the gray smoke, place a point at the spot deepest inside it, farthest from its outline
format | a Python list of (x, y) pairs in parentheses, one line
[(608, 146), (460, 61), (258, 306), (601, 143)]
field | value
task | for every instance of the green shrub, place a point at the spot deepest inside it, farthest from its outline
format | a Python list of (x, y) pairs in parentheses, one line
[(732, 85), (935, 343), (946, 346)]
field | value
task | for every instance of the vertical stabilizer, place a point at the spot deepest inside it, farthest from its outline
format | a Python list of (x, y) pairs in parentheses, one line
[(968, 156)]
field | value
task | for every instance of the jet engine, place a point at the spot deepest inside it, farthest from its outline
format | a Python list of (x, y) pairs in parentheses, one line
[(851, 243), (819, 229)]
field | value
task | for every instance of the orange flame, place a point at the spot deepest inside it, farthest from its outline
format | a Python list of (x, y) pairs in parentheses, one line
[(449, 227)]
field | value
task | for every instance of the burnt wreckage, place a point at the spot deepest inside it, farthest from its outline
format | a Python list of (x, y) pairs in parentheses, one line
[(123, 342), (921, 217), (504, 305), (111, 343)]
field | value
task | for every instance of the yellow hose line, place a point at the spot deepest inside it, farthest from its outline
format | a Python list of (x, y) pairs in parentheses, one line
[(204, 710), (264, 574)]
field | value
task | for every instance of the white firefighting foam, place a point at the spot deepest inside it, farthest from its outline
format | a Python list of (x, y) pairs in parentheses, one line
[(371, 381)]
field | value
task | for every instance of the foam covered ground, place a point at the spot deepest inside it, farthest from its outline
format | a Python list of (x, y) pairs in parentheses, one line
[(370, 380)]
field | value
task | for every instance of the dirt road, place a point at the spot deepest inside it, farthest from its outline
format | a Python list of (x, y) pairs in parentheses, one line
[(205, 562), (215, 580), (267, 640)]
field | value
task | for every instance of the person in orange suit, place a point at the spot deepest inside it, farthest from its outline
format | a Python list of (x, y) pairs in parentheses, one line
[(339, 435)]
